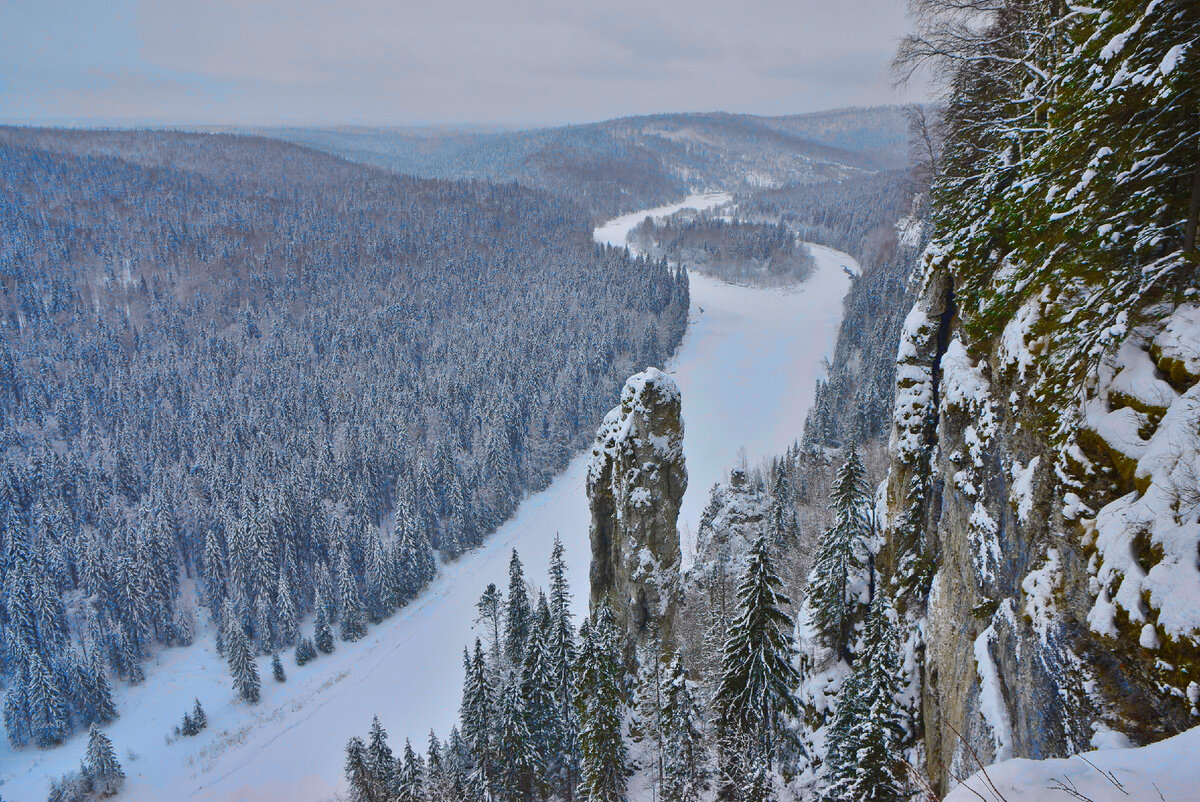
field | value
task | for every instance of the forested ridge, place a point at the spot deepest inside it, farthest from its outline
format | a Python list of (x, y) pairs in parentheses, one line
[(242, 380), (634, 162)]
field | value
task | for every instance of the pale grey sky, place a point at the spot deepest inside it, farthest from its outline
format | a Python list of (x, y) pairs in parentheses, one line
[(398, 62)]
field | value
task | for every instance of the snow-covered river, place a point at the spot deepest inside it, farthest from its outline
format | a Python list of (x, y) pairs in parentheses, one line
[(747, 368)]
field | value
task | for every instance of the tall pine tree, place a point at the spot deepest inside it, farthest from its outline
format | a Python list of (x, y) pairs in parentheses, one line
[(518, 613), (757, 676), (863, 748), (600, 707), (100, 765), (836, 583)]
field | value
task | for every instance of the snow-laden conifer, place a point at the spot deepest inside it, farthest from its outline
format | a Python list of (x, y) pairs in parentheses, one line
[(755, 692)]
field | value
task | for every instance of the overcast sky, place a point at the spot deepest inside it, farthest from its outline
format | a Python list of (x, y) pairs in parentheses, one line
[(399, 62)]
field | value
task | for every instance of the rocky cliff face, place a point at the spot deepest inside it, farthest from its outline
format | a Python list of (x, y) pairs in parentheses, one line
[(1042, 515), (636, 481), (1047, 546)]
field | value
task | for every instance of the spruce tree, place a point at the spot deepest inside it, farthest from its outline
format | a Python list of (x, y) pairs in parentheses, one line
[(264, 627), (457, 758), (538, 686), (439, 784), (322, 632), (100, 764), (380, 760), (684, 770), (104, 707), (781, 511), (380, 595), (353, 623), (213, 571), (277, 668), (199, 716), (517, 614), (757, 676), (45, 702), (600, 707), (560, 640), (286, 629), (242, 666), (16, 716), (478, 721), (410, 784), (864, 741), (306, 652), (326, 595), (364, 787), (519, 764), (837, 569)]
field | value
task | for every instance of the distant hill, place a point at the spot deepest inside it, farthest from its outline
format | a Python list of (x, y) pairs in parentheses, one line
[(627, 163)]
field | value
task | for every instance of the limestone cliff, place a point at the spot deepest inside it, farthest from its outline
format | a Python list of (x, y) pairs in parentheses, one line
[(635, 484), (1042, 530), (1043, 521)]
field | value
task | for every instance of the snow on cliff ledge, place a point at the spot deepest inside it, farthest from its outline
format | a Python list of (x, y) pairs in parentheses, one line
[(1168, 770)]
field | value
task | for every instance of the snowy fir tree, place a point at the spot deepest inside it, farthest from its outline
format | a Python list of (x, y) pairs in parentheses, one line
[(277, 668), (322, 631), (305, 652), (560, 640), (350, 606), (684, 750), (518, 612), (199, 716), (381, 762), (521, 773), (442, 775), (600, 707), (242, 666), (836, 590), (538, 686), (363, 784), (100, 765), (410, 779), (758, 678), (863, 757), (479, 721)]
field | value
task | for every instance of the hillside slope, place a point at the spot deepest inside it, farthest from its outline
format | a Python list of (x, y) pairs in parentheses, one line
[(242, 380), (632, 162)]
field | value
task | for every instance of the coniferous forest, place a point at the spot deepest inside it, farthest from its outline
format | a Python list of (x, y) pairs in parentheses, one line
[(897, 501), (245, 381)]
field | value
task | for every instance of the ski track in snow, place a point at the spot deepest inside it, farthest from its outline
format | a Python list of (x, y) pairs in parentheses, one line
[(747, 369)]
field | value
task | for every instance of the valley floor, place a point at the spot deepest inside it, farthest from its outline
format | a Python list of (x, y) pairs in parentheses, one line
[(747, 370)]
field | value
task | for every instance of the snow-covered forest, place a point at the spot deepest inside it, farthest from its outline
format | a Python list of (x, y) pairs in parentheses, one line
[(247, 381), (759, 254), (847, 456)]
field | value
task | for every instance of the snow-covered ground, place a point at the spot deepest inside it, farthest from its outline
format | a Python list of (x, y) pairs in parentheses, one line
[(1168, 770), (747, 369)]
